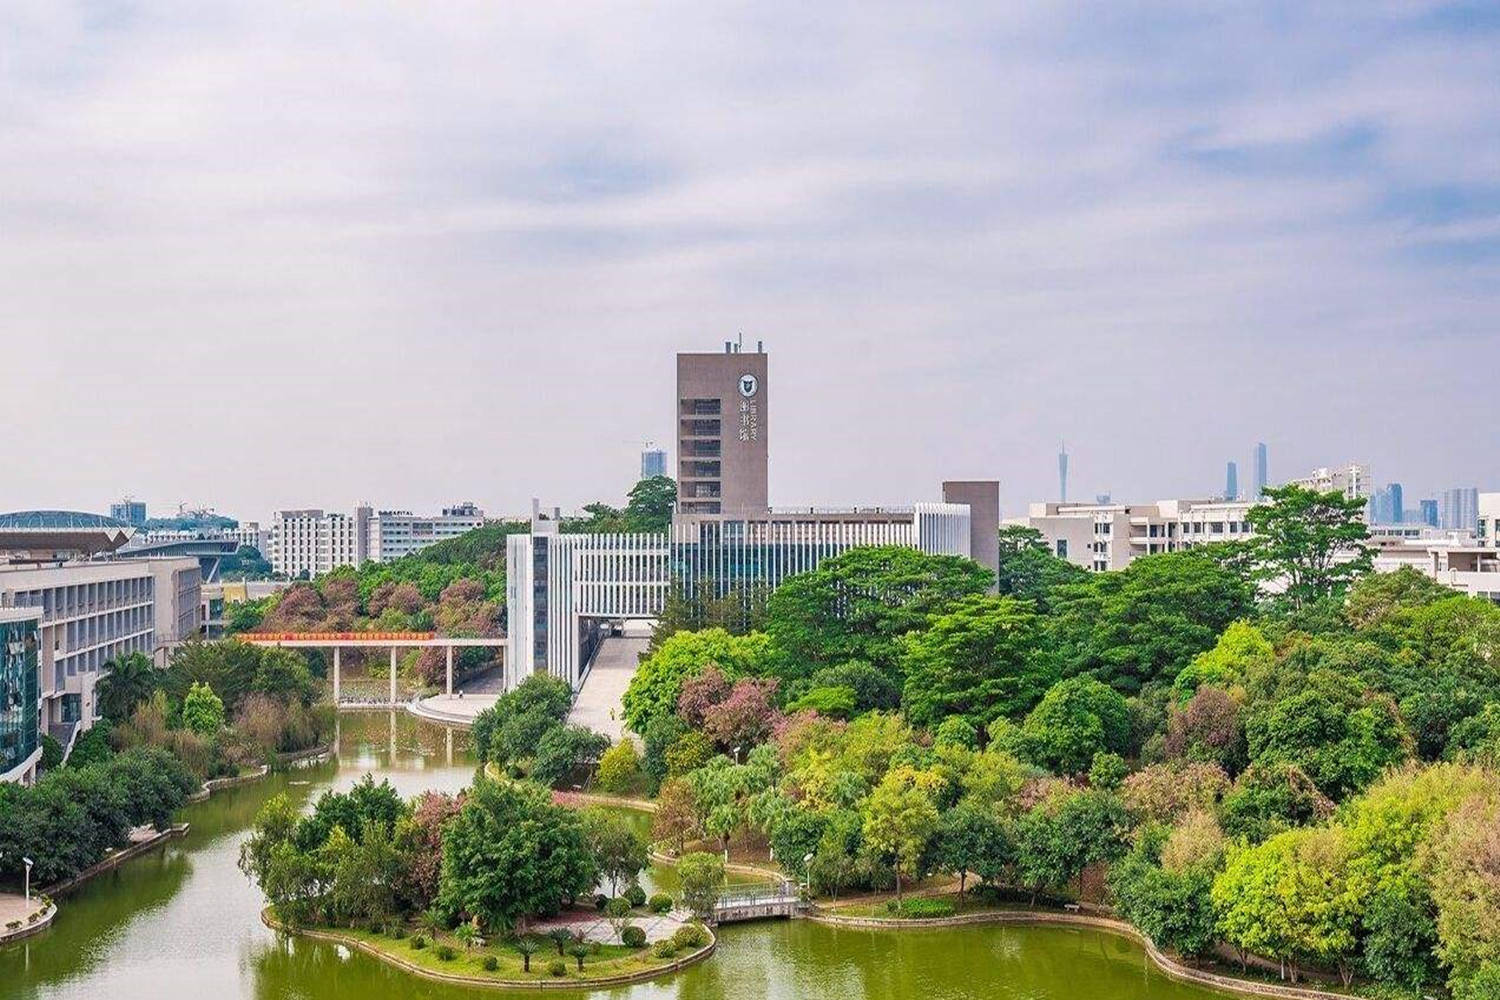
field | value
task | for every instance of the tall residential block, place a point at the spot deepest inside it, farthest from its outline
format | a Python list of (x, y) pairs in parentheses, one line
[(653, 463), (1062, 474), (1429, 512), (1460, 508), (722, 432), (128, 511), (1262, 470), (1232, 481)]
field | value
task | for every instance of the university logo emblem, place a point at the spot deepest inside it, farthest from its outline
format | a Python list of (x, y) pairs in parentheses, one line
[(748, 385)]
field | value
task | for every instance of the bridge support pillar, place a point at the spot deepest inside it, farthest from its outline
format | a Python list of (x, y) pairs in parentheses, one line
[(450, 671), (393, 676), (335, 677)]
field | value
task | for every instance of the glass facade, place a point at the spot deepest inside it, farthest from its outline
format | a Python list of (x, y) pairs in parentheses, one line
[(18, 692)]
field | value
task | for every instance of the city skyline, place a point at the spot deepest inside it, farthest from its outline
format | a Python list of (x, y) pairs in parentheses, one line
[(1013, 225)]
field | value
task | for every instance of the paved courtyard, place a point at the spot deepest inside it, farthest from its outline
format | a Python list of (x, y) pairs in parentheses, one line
[(17, 908), (595, 927)]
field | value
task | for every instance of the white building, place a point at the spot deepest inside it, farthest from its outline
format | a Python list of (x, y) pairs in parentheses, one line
[(391, 534), (311, 542), (1352, 480), (560, 587), (1459, 508), (1110, 536), (93, 612)]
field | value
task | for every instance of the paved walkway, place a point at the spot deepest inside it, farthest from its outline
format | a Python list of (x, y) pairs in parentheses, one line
[(455, 711), (17, 908), (598, 705), (595, 927)]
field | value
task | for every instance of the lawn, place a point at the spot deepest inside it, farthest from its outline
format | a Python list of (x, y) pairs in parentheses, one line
[(603, 961)]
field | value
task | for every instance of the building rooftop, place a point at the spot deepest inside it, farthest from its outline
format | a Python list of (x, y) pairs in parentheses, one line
[(53, 534)]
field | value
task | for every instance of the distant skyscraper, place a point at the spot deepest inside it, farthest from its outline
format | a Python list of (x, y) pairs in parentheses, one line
[(1386, 505), (129, 511), (653, 463), (1460, 509), (1232, 482), (1430, 512), (1262, 479), (1062, 474)]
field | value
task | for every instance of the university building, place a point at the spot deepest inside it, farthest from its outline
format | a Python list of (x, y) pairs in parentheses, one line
[(72, 610), (724, 539)]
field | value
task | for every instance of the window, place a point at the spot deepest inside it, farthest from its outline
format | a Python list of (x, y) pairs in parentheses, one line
[(1062, 548)]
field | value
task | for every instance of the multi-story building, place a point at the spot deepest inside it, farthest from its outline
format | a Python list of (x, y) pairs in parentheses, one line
[(724, 540), (312, 541), (1232, 481), (89, 610), (1352, 480), (391, 534), (128, 511), (722, 431), (1460, 508), (1262, 470), (1429, 513), (653, 463), (1386, 505), (1102, 537), (560, 585), (20, 695)]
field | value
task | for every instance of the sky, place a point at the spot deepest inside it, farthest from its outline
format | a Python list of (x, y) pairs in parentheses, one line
[(261, 255)]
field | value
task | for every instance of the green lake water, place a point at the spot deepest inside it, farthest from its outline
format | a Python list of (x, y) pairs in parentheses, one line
[(183, 922)]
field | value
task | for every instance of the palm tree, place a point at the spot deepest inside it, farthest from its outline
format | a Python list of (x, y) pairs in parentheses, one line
[(466, 933), (431, 920), (527, 947), (579, 951), (131, 680), (561, 937)]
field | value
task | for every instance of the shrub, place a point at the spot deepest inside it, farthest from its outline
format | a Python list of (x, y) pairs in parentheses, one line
[(557, 968), (397, 931), (418, 943), (491, 963), (600, 902), (444, 952), (636, 895), (12, 925), (690, 936), (664, 949), (660, 903), (619, 769), (633, 937), (617, 907)]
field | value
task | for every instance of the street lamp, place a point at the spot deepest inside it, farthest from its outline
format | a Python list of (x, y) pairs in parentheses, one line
[(27, 862), (807, 872)]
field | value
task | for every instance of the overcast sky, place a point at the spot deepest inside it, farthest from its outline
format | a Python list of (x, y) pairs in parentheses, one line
[(259, 255)]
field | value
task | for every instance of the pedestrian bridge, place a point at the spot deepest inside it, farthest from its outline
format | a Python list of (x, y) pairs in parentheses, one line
[(758, 902)]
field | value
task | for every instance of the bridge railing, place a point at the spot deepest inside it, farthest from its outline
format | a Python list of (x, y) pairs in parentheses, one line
[(758, 893)]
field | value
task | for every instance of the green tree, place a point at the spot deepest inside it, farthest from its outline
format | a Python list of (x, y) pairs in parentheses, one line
[(972, 839), (701, 876), (900, 822), (619, 769), (657, 682), (202, 711), (565, 750), (131, 680), (618, 850), (1288, 898), (1076, 719), (1028, 571), (984, 657), (872, 689), (1173, 908), (1242, 651), (1339, 735), (1464, 860), (857, 606), (651, 503), (676, 816), (1146, 623), (510, 854), (1310, 544), (1065, 834)]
